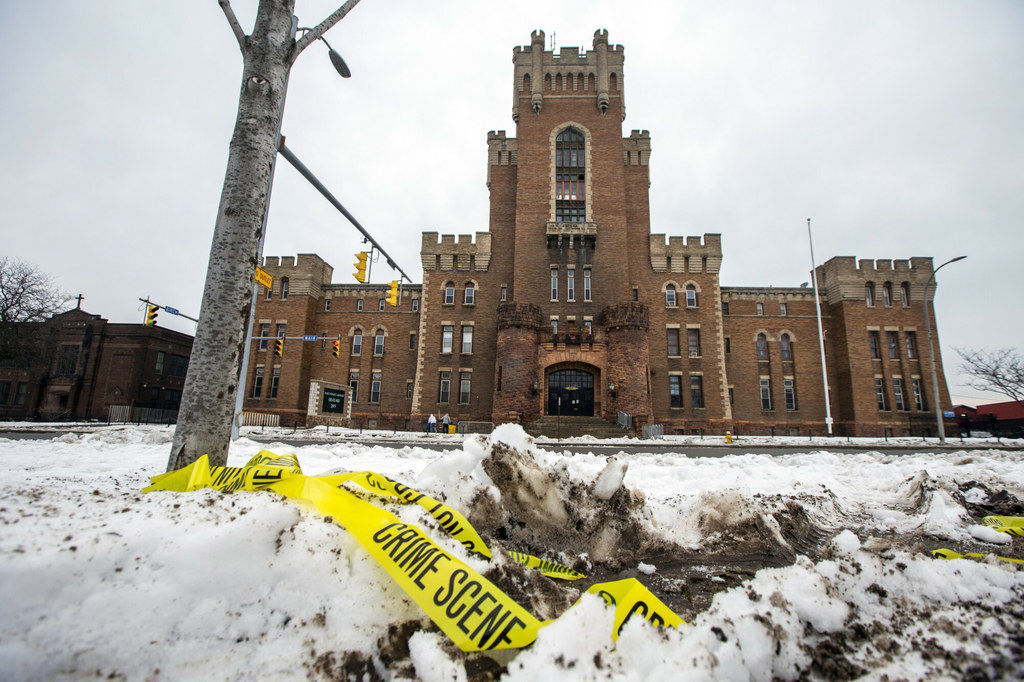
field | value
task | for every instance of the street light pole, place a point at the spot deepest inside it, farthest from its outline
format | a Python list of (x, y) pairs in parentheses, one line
[(931, 348)]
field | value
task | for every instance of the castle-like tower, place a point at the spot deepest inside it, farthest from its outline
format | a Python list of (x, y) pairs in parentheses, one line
[(569, 305)]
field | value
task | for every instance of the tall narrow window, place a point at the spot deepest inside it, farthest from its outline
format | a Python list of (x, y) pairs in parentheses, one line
[(880, 393), (873, 345), (275, 380), (444, 389), (905, 294), (415, 304), (789, 389), (465, 382), (257, 384), (670, 295), (691, 296), (760, 308), (264, 333), (357, 342), (380, 304), (447, 331), (696, 390), (469, 298), (570, 183), (887, 294), (911, 345), (786, 348), (869, 294), (284, 288), (504, 293), (783, 310), (375, 387), (586, 285), (762, 346), (675, 391), (281, 331), (693, 343), (554, 284), (19, 394), (359, 305), (892, 342), (327, 305), (897, 394), (570, 285), (449, 294), (672, 341), (915, 385), (467, 340), (378, 343), (353, 384), (766, 393), (161, 357)]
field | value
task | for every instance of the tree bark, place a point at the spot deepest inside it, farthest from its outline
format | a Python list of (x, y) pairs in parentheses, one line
[(208, 399)]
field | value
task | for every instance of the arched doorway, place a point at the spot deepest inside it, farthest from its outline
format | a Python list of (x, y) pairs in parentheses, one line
[(571, 392)]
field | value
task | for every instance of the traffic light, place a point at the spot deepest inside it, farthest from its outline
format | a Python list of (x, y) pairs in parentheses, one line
[(337, 349), (279, 347), (360, 265), (393, 296), (151, 313)]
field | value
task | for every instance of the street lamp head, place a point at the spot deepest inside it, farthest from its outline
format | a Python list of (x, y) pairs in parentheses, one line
[(957, 258), (339, 64)]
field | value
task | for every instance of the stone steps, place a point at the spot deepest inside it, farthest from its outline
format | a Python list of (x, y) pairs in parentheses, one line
[(551, 426)]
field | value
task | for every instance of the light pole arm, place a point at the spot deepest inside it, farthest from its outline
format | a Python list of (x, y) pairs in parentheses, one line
[(931, 349)]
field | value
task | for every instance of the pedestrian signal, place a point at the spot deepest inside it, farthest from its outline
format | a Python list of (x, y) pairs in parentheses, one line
[(337, 349), (393, 296), (151, 315), (279, 347), (360, 265)]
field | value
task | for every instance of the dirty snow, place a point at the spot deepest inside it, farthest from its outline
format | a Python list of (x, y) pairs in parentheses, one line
[(808, 565)]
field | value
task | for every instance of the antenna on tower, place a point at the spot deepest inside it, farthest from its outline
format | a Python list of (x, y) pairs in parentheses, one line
[(553, 34)]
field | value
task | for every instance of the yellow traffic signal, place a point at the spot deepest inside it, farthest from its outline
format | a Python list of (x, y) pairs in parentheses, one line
[(393, 296), (337, 349), (279, 347), (151, 315), (360, 265)]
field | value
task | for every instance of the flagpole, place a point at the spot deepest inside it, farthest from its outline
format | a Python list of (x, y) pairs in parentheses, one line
[(821, 334)]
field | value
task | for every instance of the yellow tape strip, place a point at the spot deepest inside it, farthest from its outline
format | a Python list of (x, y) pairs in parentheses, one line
[(470, 609), (1013, 525), (950, 554)]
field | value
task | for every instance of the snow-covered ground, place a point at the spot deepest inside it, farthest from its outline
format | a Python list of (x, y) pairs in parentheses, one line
[(812, 565)]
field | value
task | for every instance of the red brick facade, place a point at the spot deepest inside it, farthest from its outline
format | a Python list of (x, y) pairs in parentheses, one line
[(569, 299)]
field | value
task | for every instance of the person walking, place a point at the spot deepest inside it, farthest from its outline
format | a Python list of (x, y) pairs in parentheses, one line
[(432, 421), (445, 423)]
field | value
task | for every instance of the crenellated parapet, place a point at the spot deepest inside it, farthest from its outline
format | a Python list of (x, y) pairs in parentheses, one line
[(307, 273), (501, 151), (690, 254), (572, 71), (636, 149), (845, 277), (512, 314), (632, 315), (462, 253)]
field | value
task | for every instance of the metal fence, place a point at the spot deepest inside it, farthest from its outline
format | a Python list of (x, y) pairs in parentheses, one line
[(260, 419), (652, 431), (625, 420), (141, 415)]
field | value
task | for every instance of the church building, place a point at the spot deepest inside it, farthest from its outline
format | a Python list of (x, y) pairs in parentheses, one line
[(572, 305)]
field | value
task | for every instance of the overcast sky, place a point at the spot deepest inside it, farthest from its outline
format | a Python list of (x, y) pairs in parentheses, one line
[(897, 127)]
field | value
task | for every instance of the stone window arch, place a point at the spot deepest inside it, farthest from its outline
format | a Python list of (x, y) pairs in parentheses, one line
[(671, 299), (905, 294), (869, 294), (887, 294), (761, 343), (692, 292), (449, 293), (786, 346), (469, 293), (356, 333), (570, 146)]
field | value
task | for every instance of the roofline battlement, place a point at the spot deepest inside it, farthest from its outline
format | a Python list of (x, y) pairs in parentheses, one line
[(845, 277), (686, 254), (456, 252)]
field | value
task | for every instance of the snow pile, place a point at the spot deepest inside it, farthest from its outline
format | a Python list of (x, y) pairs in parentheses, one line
[(812, 565)]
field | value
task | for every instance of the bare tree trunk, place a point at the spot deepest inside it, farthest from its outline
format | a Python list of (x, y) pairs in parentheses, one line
[(208, 399)]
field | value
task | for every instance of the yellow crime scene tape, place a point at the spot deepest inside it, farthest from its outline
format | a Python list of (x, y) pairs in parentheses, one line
[(1014, 525), (467, 607), (950, 554)]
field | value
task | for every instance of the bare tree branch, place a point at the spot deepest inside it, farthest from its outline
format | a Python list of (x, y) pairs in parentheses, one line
[(323, 27), (999, 371), (27, 294), (236, 28)]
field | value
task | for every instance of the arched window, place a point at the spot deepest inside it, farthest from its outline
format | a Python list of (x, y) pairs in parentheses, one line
[(905, 294), (691, 296), (449, 293), (670, 295), (570, 184), (887, 294), (470, 295), (284, 288), (786, 347), (762, 347), (869, 293), (378, 343), (357, 342)]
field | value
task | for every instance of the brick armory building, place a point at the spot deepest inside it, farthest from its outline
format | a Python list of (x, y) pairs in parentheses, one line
[(569, 304)]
